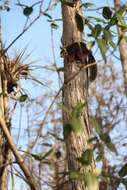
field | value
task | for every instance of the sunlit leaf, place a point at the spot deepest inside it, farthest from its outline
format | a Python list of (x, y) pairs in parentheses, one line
[(77, 110), (86, 158), (107, 35), (91, 181), (90, 44), (103, 47), (96, 19), (96, 30), (76, 124), (121, 19), (75, 175)]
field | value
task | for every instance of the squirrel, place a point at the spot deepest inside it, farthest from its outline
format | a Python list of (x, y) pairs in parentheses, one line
[(79, 53)]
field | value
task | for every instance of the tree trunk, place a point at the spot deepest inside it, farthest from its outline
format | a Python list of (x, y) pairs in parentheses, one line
[(122, 46), (74, 92), (4, 148)]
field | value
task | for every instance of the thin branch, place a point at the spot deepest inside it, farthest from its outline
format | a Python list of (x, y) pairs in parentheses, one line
[(53, 101), (24, 30), (20, 161)]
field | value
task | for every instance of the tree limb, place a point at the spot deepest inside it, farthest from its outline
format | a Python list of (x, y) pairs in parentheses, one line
[(20, 161)]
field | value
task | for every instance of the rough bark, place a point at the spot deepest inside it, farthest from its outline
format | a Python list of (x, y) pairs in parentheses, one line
[(75, 91), (122, 46), (4, 148)]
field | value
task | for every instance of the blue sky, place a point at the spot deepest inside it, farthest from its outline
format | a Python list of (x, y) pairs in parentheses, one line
[(38, 37)]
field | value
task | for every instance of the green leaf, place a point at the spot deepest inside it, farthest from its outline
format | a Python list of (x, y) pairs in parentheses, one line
[(121, 19), (107, 13), (23, 98), (95, 123), (47, 15), (90, 26), (96, 19), (54, 25), (76, 124), (111, 147), (123, 27), (107, 35), (113, 21), (123, 171), (124, 181), (90, 44), (122, 10), (67, 130), (79, 22), (28, 11), (86, 158), (87, 5), (91, 181), (96, 30), (77, 110), (75, 175), (99, 158), (105, 137), (103, 47)]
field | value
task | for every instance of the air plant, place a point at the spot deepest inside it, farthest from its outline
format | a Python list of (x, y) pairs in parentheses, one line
[(15, 70)]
